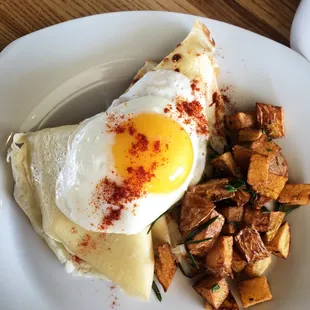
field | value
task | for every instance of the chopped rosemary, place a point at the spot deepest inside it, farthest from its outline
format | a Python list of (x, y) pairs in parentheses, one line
[(268, 149), (192, 259), (230, 188), (177, 204), (215, 288), (200, 228), (182, 270), (196, 241), (269, 139), (263, 131), (237, 183), (285, 208), (265, 210), (156, 291)]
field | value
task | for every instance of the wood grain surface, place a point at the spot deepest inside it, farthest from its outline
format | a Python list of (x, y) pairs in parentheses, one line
[(271, 18)]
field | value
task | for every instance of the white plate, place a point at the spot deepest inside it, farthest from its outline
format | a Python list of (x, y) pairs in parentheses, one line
[(72, 69)]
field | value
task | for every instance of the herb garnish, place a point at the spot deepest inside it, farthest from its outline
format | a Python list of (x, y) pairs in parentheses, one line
[(265, 210), (196, 241), (230, 188), (192, 259), (215, 288), (183, 271), (268, 149), (156, 291), (234, 185)]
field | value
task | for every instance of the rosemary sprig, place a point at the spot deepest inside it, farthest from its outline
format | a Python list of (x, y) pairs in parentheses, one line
[(268, 149), (196, 241), (265, 210), (234, 185), (215, 288), (156, 291), (183, 271), (200, 228), (230, 188), (291, 209), (286, 209), (177, 204), (192, 259)]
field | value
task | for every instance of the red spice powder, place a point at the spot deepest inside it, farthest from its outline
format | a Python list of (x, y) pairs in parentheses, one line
[(141, 144), (76, 259), (156, 146), (87, 243), (194, 86), (193, 111), (219, 111), (73, 230)]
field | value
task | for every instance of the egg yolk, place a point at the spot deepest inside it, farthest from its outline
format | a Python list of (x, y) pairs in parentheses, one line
[(155, 143)]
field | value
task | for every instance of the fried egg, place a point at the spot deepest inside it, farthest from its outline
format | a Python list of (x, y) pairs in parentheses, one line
[(127, 166)]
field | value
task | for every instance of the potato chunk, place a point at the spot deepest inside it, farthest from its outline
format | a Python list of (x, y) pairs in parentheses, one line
[(232, 214), (295, 194), (240, 120), (251, 245), (213, 190), (229, 229), (258, 170), (280, 244), (278, 165), (273, 187), (194, 211), (271, 119), (241, 197), (260, 201), (228, 304), (265, 147), (219, 258), (165, 266), (249, 134), (213, 289), (212, 231), (258, 268), (225, 165), (238, 263), (254, 291), (264, 222), (242, 157)]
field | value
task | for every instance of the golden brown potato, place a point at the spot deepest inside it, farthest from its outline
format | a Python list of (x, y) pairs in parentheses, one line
[(258, 170), (240, 120), (251, 245), (258, 268), (280, 244), (278, 165), (264, 222), (254, 291), (249, 134), (229, 303), (241, 197), (213, 190), (229, 229), (219, 258), (271, 119), (242, 157), (232, 214), (273, 187), (213, 289), (295, 194), (238, 263), (165, 266), (260, 201), (194, 211), (212, 231), (225, 165), (208, 306), (265, 147), (276, 219)]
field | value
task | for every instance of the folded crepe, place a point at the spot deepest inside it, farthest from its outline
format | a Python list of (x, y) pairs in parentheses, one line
[(38, 157)]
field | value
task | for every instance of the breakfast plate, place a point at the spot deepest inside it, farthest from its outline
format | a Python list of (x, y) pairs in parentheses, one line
[(66, 73)]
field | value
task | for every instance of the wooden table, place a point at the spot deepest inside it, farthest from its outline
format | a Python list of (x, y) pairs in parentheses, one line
[(271, 18)]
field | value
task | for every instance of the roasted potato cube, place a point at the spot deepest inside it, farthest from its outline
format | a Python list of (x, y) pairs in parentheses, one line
[(271, 119), (213, 289), (276, 219), (238, 263), (165, 266), (240, 120), (213, 190), (254, 291), (251, 245), (258, 268), (241, 197), (229, 229), (219, 258), (260, 201), (273, 187), (280, 244), (249, 134), (212, 231), (295, 194), (278, 165), (264, 222), (194, 211), (265, 147), (232, 214), (208, 306), (242, 157), (258, 170), (225, 165), (229, 303)]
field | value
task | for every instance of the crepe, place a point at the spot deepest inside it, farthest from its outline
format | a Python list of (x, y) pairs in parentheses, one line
[(38, 157)]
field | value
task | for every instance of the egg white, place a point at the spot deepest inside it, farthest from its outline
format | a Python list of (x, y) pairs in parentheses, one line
[(89, 158)]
